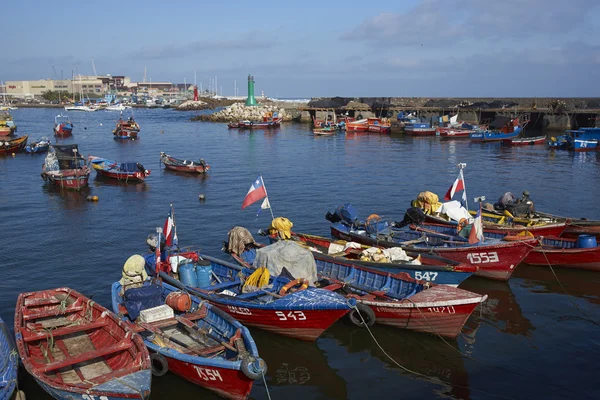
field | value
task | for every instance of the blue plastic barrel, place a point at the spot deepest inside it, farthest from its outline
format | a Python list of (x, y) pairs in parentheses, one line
[(586, 241), (203, 273), (187, 275)]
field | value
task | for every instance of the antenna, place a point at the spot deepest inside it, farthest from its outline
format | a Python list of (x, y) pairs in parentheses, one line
[(55, 74), (94, 67)]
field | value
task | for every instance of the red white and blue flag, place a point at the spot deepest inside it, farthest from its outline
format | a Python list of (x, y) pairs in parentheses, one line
[(457, 186), (170, 229), (256, 192), (476, 234)]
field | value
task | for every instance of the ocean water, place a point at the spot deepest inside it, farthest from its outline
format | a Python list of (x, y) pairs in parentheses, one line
[(531, 339)]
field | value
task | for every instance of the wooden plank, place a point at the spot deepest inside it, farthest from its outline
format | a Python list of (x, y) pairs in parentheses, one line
[(87, 356), (29, 337), (52, 313)]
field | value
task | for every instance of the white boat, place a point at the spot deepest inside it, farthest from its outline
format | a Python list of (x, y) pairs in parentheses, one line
[(80, 108), (117, 107)]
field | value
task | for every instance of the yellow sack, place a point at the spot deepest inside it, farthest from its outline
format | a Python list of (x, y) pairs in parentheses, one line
[(281, 226), (134, 274), (428, 201)]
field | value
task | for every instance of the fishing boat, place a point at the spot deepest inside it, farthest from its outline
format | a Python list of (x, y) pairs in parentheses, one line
[(65, 167), (562, 142), (419, 129), (379, 125), (580, 253), (62, 126), (127, 171), (425, 267), (117, 107), (501, 128), (180, 165), (80, 106), (191, 338), (583, 139), (359, 125), (126, 129), (7, 125), (525, 141), (38, 146), (288, 307), (76, 349), (271, 119), (9, 363), (325, 130), (393, 299), (12, 145)]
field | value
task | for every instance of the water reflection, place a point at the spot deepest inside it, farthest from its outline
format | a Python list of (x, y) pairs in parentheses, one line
[(133, 186), (72, 199)]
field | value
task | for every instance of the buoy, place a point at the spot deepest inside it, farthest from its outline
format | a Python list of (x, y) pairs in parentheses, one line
[(201, 197), (100, 123), (92, 198), (85, 127), (162, 131), (13, 154)]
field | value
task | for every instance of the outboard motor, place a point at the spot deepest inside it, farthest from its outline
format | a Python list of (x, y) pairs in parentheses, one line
[(413, 215), (505, 200), (344, 213)]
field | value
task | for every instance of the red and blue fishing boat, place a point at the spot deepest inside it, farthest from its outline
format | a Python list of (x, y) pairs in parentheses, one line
[(75, 348), (192, 339), (501, 128), (65, 167), (284, 306), (270, 120), (62, 126), (127, 171), (580, 253), (183, 165), (9, 363), (126, 129), (393, 299)]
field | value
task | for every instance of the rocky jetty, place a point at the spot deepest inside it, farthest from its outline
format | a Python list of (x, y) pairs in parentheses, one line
[(241, 112), (206, 103)]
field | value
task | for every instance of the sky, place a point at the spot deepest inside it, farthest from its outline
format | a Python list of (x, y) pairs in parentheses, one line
[(393, 48)]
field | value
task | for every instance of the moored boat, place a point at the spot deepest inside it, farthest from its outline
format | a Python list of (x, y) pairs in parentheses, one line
[(62, 126), (75, 348), (270, 120), (326, 130), (126, 129), (525, 141), (12, 145), (9, 363), (192, 339), (65, 167), (419, 129), (284, 306), (127, 171), (180, 165), (580, 253), (38, 146), (7, 125), (379, 125), (501, 128), (360, 125)]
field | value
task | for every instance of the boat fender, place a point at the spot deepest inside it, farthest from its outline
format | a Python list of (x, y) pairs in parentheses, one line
[(300, 281), (364, 311), (253, 368), (159, 364)]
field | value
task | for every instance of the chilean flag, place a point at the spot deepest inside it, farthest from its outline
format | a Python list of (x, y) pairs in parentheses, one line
[(256, 192), (457, 186), (476, 234), (168, 229)]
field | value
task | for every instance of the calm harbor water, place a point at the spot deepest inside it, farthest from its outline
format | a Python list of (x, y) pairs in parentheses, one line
[(529, 340)]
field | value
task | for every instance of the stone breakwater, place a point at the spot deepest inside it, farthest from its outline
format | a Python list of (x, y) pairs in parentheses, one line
[(206, 103), (240, 112)]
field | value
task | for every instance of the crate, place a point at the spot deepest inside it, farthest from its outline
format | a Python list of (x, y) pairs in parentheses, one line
[(156, 314)]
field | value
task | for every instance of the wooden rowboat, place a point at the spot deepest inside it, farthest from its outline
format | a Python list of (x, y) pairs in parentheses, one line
[(75, 348), (525, 141), (9, 363), (13, 145), (128, 172), (176, 164)]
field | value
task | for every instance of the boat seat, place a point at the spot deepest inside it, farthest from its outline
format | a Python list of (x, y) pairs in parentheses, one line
[(28, 336), (224, 285), (55, 312), (87, 356), (251, 295)]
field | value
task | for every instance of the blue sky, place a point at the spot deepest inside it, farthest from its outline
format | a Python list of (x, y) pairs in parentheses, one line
[(442, 48)]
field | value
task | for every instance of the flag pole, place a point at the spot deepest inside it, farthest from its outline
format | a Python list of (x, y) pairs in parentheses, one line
[(174, 241), (462, 166), (267, 196)]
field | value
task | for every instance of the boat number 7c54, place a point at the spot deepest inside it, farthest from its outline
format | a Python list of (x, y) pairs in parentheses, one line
[(482, 258), (425, 276)]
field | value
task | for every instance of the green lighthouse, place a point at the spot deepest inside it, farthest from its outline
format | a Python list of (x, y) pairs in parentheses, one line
[(251, 101)]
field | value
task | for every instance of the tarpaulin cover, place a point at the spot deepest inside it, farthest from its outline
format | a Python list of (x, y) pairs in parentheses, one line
[(142, 298), (295, 258), (238, 238), (129, 167), (65, 151)]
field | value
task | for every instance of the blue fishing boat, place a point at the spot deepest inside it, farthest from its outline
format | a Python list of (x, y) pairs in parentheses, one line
[(9, 363), (281, 305), (190, 338), (38, 146), (584, 139), (128, 171), (501, 128)]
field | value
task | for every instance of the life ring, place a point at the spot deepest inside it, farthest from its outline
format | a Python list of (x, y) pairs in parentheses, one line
[(300, 281), (159, 364), (254, 368), (364, 311)]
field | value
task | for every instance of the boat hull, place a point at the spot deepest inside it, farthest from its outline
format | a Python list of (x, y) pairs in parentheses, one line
[(191, 169), (61, 130), (420, 131), (9, 362), (525, 141), (559, 252), (494, 136), (68, 179), (123, 176), (13, 146)]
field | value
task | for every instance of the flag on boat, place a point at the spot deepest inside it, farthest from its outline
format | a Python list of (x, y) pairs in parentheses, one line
[(170, 230), (265, 204), (457, 186), (256, 192), (476, 234)]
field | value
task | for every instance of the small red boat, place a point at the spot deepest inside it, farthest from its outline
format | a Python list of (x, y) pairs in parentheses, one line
[(126, 129), (453, 132), (62, 126), (75, 348), (361, 125), (65, 167), (127, 171), (580, 253), (526, 141), (379, 125), (176, 164), (270, 120)]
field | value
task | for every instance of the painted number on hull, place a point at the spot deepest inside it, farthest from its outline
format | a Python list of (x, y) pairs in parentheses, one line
[(92, 397), (482, 258), (445, 309), (239, 310), (295, 315), (426, 276), (208, 374)]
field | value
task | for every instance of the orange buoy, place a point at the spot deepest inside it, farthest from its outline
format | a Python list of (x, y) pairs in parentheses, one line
[(179, 301)]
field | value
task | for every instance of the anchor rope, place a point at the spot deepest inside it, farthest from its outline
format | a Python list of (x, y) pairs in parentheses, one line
[(262, 372)]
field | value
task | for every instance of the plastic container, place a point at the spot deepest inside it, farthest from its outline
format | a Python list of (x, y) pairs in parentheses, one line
[(586, 241), (203, 273), (156, 314), (187, 275), (179, 301)]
